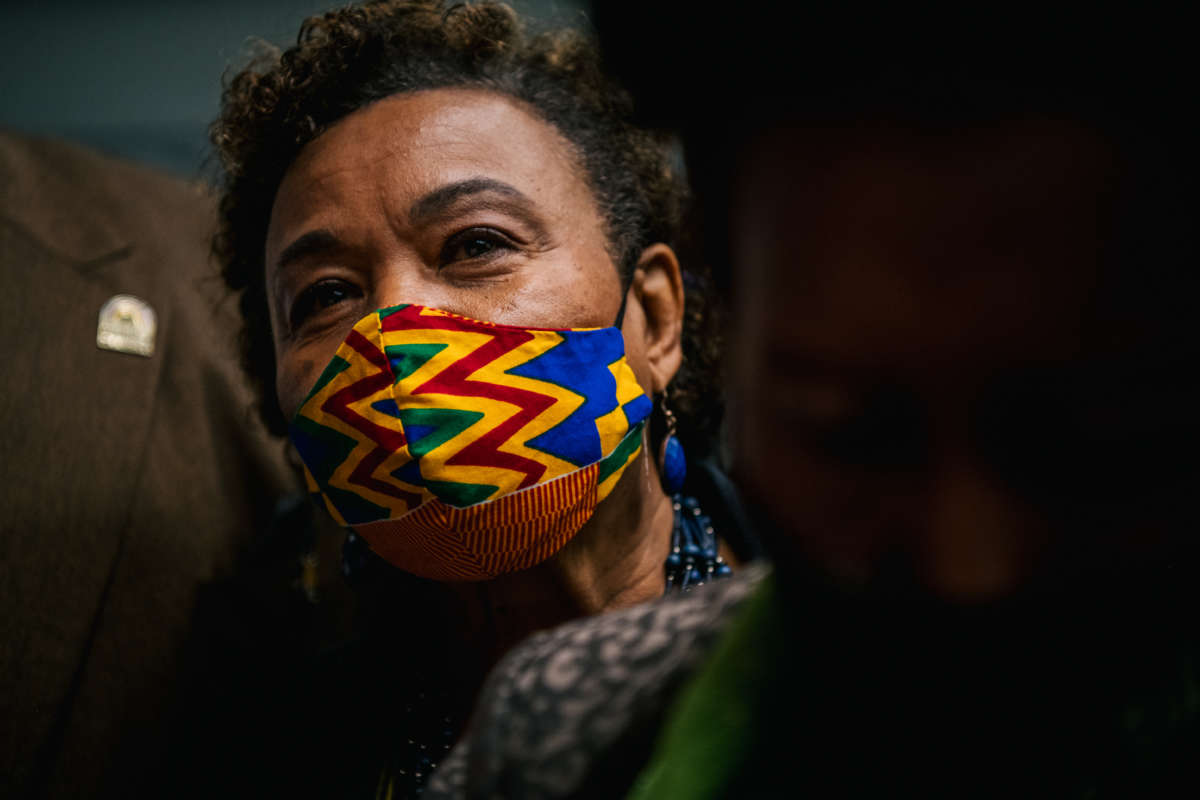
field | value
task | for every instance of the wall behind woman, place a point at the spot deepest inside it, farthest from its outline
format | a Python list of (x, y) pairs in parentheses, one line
[(140, 80)]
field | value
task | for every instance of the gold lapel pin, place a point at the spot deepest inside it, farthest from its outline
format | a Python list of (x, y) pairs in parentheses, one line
[(127, 325)]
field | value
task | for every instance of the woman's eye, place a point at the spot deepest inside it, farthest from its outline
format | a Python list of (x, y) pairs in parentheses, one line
[(477, 243), (320, 296)]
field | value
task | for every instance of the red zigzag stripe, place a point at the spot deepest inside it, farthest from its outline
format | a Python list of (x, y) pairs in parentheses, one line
[(387, 440), (484, 451)]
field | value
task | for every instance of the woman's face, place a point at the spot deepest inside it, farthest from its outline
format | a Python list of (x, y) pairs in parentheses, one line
[(455, 199)]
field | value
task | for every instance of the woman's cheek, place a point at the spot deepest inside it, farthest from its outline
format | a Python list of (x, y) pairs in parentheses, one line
[(294, 378)]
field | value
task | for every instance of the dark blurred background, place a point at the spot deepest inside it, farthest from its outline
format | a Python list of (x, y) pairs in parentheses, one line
[(142, 80)]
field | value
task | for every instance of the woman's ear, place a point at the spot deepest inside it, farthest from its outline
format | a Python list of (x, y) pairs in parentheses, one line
[(658, 288)]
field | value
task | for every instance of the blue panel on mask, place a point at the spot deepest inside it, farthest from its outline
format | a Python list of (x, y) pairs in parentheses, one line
[(415, 433), (638, 409), (410, 473), (387, 406), (579, 364)]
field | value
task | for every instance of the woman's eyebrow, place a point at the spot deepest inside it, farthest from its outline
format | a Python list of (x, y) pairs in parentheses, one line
[(444, 197), (313, 243)]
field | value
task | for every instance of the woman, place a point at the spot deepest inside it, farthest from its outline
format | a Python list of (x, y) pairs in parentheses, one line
[(458, 281)]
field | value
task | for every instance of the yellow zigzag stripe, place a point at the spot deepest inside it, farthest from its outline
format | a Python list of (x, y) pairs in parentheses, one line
[(359, 369), (495, 412)]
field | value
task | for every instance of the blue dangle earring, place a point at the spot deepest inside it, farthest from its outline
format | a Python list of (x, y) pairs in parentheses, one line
[(694, 558), (672, 466)]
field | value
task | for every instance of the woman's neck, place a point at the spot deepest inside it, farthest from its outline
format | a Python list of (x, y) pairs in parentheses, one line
[(615, 561)]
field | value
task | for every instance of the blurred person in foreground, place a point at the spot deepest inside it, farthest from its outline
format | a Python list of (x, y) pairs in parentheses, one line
[(964, 272), (463, 304), (134, 476)]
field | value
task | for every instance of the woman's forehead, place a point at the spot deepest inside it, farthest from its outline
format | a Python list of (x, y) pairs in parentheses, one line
[(399, 149)]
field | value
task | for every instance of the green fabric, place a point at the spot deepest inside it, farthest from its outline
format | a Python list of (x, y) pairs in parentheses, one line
[(408, 358), (709, 733)]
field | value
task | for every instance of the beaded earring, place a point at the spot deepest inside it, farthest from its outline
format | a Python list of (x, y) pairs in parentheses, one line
[(672, 466), (694, 558)]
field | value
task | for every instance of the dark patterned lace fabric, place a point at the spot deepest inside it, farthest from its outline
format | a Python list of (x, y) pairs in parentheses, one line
[(577, 696)]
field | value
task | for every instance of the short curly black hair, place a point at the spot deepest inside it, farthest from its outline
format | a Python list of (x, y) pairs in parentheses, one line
[(348, 58)]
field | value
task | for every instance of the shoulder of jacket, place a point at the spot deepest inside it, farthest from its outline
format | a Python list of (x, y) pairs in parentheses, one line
[(85, 205)]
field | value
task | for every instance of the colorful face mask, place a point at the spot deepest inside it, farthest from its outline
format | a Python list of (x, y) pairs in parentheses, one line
[(463, 450)]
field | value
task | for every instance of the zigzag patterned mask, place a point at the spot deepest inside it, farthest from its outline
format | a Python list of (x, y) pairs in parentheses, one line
[(463, 450)]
